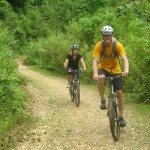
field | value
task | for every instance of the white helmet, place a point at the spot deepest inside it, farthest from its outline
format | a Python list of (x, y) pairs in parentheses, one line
[(107, 30)]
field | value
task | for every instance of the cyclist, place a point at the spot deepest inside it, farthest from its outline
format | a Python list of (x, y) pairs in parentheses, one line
[(72, 62), (109, 64)]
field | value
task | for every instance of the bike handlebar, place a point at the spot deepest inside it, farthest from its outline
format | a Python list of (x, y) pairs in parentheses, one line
[(75, 71), (110, 77)]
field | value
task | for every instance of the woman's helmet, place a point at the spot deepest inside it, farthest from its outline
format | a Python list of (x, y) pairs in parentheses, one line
[(107, 30), (74, 47)]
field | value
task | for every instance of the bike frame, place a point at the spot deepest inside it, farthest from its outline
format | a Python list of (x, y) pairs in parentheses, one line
[(113, 111), (75, 76), (75, 80), (111, 90), (74, 87)]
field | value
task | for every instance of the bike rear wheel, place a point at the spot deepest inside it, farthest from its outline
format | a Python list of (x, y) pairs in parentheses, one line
[(113, 119)]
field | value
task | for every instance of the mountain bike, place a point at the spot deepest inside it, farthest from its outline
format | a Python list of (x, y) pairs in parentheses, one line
[(113, 110), (74, 89)]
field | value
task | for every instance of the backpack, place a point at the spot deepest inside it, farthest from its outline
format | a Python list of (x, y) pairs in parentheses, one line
[(113, 48)]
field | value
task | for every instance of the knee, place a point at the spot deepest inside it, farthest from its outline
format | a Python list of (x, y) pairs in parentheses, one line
[(101, 82), (119, 91), (101, 79)]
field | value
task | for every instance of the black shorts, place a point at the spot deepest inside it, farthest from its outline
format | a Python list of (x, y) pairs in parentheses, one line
[(69, 68), (118, 82)]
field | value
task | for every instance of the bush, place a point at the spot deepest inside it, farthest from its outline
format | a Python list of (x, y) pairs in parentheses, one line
[(12, 97), (49, 53)]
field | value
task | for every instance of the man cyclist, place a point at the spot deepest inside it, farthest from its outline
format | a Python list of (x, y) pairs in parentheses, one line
[(109, 64), (72, 62)]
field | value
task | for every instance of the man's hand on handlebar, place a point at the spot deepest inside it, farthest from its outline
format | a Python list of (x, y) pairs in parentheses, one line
[(125, 73), (95, 77)]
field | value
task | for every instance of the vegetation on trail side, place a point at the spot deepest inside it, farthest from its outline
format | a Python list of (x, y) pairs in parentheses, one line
[(11, 95)]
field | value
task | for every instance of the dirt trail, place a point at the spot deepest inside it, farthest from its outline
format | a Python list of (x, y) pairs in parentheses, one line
[(63, 126)]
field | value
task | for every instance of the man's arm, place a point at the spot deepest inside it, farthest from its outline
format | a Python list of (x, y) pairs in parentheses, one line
[(95, 72), (66, 63), (126, 65), (83, 64)]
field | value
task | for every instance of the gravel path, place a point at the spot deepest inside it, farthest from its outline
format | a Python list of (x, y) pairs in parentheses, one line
[(62, 126)]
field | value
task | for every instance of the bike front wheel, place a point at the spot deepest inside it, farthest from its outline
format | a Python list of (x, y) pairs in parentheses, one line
[(77, 95), (113, 119), (71, 92)]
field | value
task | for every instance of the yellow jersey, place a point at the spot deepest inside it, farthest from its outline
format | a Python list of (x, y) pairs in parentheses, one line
[(109, 61)]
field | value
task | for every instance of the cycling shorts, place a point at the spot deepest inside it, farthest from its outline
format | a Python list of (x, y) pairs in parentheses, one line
[(69, 68), (118, 82)]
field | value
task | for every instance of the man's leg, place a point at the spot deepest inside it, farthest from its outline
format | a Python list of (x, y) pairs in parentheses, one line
[(120, 97), (118, 84), (101, 87)]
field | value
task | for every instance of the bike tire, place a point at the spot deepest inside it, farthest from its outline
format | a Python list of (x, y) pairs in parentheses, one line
[(77, 95), (71, 92), (113, 120)]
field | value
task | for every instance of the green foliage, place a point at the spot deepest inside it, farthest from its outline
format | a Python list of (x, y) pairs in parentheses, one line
[(27, 24), (49, 53), (5, 9), (139, 60), (12, 97), (18, 5)]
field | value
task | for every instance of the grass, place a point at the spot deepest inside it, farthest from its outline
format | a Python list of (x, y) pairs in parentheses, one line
[(7, 123), (143, 109), (10, 127)]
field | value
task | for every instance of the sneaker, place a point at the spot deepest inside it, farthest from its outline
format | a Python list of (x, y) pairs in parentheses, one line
[(103, 105), (122, 122), (68, 86)]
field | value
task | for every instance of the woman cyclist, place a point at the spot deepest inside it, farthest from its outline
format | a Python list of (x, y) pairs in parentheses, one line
[(72, 62)]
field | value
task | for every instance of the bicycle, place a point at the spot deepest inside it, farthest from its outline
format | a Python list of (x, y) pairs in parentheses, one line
[(74, 89), (113, 110)]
